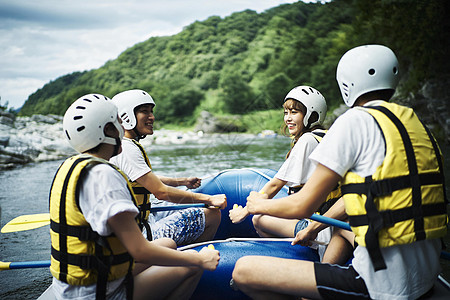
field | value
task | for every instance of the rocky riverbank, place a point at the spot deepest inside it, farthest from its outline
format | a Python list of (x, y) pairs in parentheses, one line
[(28, 139), (39, 138)]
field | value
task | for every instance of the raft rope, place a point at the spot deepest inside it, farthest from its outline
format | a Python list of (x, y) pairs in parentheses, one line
[(207, 243)]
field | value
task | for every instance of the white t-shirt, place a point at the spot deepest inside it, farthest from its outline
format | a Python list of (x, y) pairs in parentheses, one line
[(297, 168), (355, 143), (103, 194), (131, 161)]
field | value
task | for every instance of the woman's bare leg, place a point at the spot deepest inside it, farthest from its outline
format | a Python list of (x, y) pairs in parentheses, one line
[(340, 248), (268, 226)]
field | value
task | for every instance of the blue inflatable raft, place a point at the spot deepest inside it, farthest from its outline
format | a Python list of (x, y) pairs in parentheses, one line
[(237, 240), (216, 285), (237, 184)]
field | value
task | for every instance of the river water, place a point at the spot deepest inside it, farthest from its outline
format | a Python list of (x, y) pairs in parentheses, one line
[(25, 190)]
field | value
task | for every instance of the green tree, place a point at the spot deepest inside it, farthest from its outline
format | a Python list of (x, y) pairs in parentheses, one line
[(276, 89), (236, 95)]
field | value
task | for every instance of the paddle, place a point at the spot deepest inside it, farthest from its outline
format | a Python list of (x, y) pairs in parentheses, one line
[(46, 263), (28, 222), (24, 264), (330, 221)]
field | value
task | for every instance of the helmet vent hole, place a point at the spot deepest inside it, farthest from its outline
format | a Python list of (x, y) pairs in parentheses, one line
[(81, 107), (371, 71), (78, 117), (68, 136), (88, 100), (395, 70), (81, 128), (305, 91)]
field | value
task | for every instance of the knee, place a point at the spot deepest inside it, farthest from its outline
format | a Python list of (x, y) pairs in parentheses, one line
[(212, 215), (195, 271), (166, 242), (257, 222), (243, 270), (188, 272)]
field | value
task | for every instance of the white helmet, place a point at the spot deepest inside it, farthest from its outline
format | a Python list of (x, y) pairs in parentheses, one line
[(85, 120), (127, 101), (312, 99), (365, 69)]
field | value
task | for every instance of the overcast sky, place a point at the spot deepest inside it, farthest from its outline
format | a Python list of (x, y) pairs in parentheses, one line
[(41, 40)]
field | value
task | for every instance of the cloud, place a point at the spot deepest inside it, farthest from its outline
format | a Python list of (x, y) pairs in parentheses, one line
[(42, 40)]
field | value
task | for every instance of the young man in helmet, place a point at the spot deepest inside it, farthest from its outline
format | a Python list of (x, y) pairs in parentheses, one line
[(95, 234), (390, 168), (184, 226), (304, 112)]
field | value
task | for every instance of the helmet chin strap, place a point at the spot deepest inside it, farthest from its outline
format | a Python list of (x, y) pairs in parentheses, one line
[(117, 142), (138, 134), (117, 146)]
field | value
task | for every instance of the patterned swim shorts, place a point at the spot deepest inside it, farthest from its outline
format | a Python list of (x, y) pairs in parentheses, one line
[(184, 226)]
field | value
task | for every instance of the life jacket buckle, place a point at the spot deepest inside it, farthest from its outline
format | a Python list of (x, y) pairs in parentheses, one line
[(87, 235), (86, 262), (388, 219), (381, 188)]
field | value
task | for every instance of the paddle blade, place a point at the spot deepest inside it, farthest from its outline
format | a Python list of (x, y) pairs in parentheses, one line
[(26, 222)]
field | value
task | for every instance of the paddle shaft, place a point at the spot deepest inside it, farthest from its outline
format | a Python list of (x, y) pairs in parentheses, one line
[(46, 263), (315, 217), (28, 222), (176, 207), (24, 265), (330, 221)]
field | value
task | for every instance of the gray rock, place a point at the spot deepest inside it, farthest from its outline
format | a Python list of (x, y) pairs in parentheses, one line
[(4, 141), (208, 123)]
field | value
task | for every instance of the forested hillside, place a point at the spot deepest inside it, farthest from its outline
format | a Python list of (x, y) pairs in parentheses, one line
[(248, 61)]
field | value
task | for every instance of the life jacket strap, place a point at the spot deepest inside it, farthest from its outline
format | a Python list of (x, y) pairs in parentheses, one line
[(390, 217), (385, 187), (86, 262), (84, 233), (375, 222), (324, 207), (140, 190), (295, 189)]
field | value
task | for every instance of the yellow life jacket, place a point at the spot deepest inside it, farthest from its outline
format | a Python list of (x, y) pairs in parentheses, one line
[(143, 195), (334, 196), (79, 256), (404, 200)]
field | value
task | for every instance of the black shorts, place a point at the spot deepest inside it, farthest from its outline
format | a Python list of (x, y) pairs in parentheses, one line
[(339, 282)]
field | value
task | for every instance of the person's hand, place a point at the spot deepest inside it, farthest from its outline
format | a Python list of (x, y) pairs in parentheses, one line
[(253, 200), (210, 258), (193, 182), (238, 214), (219, 201), (305, 236)]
